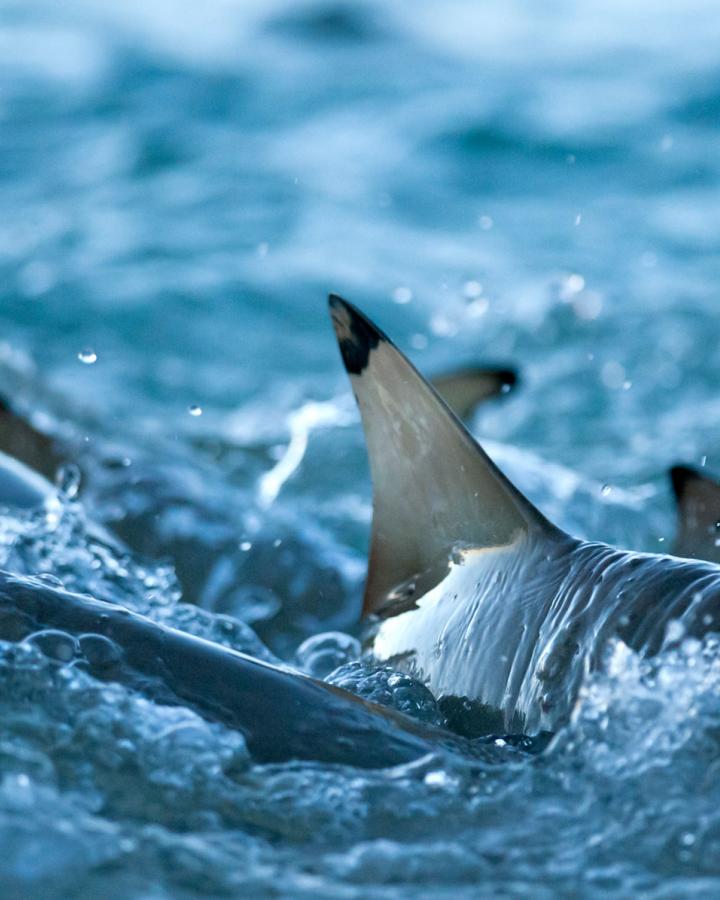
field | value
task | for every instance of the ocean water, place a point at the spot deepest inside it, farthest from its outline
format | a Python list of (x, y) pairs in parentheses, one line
[(181, 185)]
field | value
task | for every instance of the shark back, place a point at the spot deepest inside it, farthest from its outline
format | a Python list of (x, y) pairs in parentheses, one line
[(469, 587)]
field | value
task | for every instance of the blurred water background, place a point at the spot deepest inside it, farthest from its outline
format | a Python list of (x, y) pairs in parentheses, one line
[(180, 187)]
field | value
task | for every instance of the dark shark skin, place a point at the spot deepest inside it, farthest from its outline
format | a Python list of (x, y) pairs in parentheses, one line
[(470, 589), (698, 514), (282, 714)]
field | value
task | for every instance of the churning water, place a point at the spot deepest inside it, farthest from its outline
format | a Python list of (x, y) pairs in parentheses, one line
[(181, 185)]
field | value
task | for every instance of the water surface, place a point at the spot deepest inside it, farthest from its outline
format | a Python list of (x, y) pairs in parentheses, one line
[(180, 188)]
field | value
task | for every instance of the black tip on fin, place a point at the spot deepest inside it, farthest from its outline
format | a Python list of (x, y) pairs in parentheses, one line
[(357, 336), (4, 405), (508, 377), (681, 476)]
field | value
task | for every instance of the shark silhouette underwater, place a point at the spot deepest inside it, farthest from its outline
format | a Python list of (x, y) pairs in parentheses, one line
[(469, 589)]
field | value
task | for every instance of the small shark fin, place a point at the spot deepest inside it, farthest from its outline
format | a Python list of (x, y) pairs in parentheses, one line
[(466, 389), (698, 510), (21, 439), (433, 485)]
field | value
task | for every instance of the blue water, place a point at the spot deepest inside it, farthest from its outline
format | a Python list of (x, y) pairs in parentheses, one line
[(180, 186)]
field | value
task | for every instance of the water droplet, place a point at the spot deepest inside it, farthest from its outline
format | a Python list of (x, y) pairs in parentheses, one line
[(486, 223), (438, 779), (195, 410), (478, 307), (419, 341), (675, 631), (87, 356), (687, 839), (571, 285), (613, 375), (245, 546), (606, 489), (402, 294), (67, 480), (472, 289), (443, 326), (578, 219)]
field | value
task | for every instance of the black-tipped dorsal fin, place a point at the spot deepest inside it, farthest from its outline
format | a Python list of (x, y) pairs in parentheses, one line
[(698, 509), (433, 485), (465, 389)]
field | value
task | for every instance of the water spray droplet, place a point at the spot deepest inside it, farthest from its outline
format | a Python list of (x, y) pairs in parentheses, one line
[(87, 356), (67, 480), (402, 294)]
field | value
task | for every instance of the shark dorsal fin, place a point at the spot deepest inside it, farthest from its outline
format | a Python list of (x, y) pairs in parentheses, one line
[(698, 510), (465, 389), (433, 485)]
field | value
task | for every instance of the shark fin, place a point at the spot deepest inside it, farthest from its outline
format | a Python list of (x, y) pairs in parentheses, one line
[(433, 485), (21, 439), (466, 389), (698, 510)]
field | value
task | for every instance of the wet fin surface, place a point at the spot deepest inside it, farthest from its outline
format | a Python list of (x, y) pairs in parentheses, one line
[(698, 513), (433, 485), (465, 389)]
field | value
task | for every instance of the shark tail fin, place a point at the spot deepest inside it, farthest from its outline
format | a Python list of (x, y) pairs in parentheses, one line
[(465, 389), (433, 485)]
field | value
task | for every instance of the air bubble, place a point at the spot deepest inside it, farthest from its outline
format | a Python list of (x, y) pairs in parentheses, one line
[(325, 653), (87, 356), (195, 410), (57, 645)]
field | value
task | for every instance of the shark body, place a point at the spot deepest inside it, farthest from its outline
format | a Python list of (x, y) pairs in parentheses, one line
[(469, 587)]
